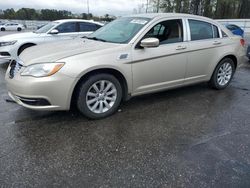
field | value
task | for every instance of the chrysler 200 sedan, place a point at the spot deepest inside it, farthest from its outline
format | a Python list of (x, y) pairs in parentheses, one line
[(130, 56)]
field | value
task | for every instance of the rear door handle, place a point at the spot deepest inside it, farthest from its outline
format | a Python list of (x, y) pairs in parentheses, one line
[(216, 42), (181, 47)]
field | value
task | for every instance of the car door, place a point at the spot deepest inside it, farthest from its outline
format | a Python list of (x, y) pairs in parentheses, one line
[(66, 31), (203, 49), (86, 28), (8, 27), (12, 27), (163, 66)]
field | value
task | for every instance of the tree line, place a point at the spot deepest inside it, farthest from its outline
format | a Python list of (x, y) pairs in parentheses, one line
[(217, 9), (48, 14)]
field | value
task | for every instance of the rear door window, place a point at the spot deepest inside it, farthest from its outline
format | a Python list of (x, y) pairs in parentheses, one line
[(86, 27), (200, 30)]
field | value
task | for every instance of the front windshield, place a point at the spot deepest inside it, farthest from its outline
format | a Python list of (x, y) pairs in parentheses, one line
[(46, 27), (121, 30)]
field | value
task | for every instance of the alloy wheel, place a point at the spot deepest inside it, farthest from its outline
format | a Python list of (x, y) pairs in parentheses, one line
[(225, 73), (101, 96)]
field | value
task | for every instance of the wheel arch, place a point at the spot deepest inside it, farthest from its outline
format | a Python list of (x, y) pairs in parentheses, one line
[(25, 44), (231, 56), (116, 73)]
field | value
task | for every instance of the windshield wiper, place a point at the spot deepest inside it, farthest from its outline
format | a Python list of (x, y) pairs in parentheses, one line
[(94, 38)]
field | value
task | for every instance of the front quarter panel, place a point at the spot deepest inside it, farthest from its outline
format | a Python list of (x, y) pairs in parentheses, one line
[(114, 58)]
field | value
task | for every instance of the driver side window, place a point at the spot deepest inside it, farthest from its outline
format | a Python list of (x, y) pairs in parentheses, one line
[(170, 31)]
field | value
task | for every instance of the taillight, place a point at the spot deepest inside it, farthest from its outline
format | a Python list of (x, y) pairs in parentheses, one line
[(242, 42)]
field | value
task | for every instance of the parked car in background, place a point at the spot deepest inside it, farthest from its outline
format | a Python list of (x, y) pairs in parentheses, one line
[(130, 56), (12, 27), (236, 30), (11, 46), (248, 52)]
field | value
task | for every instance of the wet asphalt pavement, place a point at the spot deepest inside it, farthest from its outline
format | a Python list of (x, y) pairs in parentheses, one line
[(188, 137)]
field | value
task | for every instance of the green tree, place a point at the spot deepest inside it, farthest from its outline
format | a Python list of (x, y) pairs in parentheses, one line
[(26, 14), (84, 16), (9, 14)]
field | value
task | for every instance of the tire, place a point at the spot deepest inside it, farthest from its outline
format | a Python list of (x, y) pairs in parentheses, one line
[(2, 29), (223, 74), (100, 101), (19, 29), (23, 47)]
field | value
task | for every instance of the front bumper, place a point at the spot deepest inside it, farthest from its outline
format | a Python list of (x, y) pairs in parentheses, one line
[(7, 53), (47, 93), (4, 58)]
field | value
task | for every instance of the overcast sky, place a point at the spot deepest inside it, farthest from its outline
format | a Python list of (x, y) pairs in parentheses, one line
[(97, 7)]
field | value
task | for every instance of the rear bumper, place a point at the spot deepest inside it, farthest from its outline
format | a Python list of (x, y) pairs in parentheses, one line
[(242, 60), (248, 52)]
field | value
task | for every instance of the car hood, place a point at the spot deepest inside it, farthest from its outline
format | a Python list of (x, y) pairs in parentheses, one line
[(52, 52), (19, 36)]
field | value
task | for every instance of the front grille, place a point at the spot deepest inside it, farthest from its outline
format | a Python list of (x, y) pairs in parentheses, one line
[(14, 68)]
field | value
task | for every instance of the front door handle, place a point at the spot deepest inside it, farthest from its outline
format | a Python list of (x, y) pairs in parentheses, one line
[(216, 42), (181, 47)]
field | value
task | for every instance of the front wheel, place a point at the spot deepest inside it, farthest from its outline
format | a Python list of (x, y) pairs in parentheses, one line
[(19, 29), (223, 74), (2, 29), (99, 96)]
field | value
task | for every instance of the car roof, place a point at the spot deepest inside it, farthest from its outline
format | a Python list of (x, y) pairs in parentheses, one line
[(153, 16), (169, 15), (11, 23), (77, 20)]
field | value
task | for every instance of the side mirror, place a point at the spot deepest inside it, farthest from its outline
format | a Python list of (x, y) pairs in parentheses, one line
[(54, 32), (150, 43)]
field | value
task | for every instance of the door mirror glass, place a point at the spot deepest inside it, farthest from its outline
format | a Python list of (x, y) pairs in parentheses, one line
[(150, 43), (54, 32)]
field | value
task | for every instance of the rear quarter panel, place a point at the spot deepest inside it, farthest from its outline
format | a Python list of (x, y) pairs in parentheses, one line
[(230, 46)]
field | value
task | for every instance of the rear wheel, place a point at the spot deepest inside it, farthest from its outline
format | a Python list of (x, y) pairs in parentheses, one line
[(223, 74), (2, 29), (99, 96)]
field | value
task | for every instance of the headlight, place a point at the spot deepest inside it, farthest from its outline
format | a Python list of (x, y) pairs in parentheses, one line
[(8, 43), (42, 70)]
